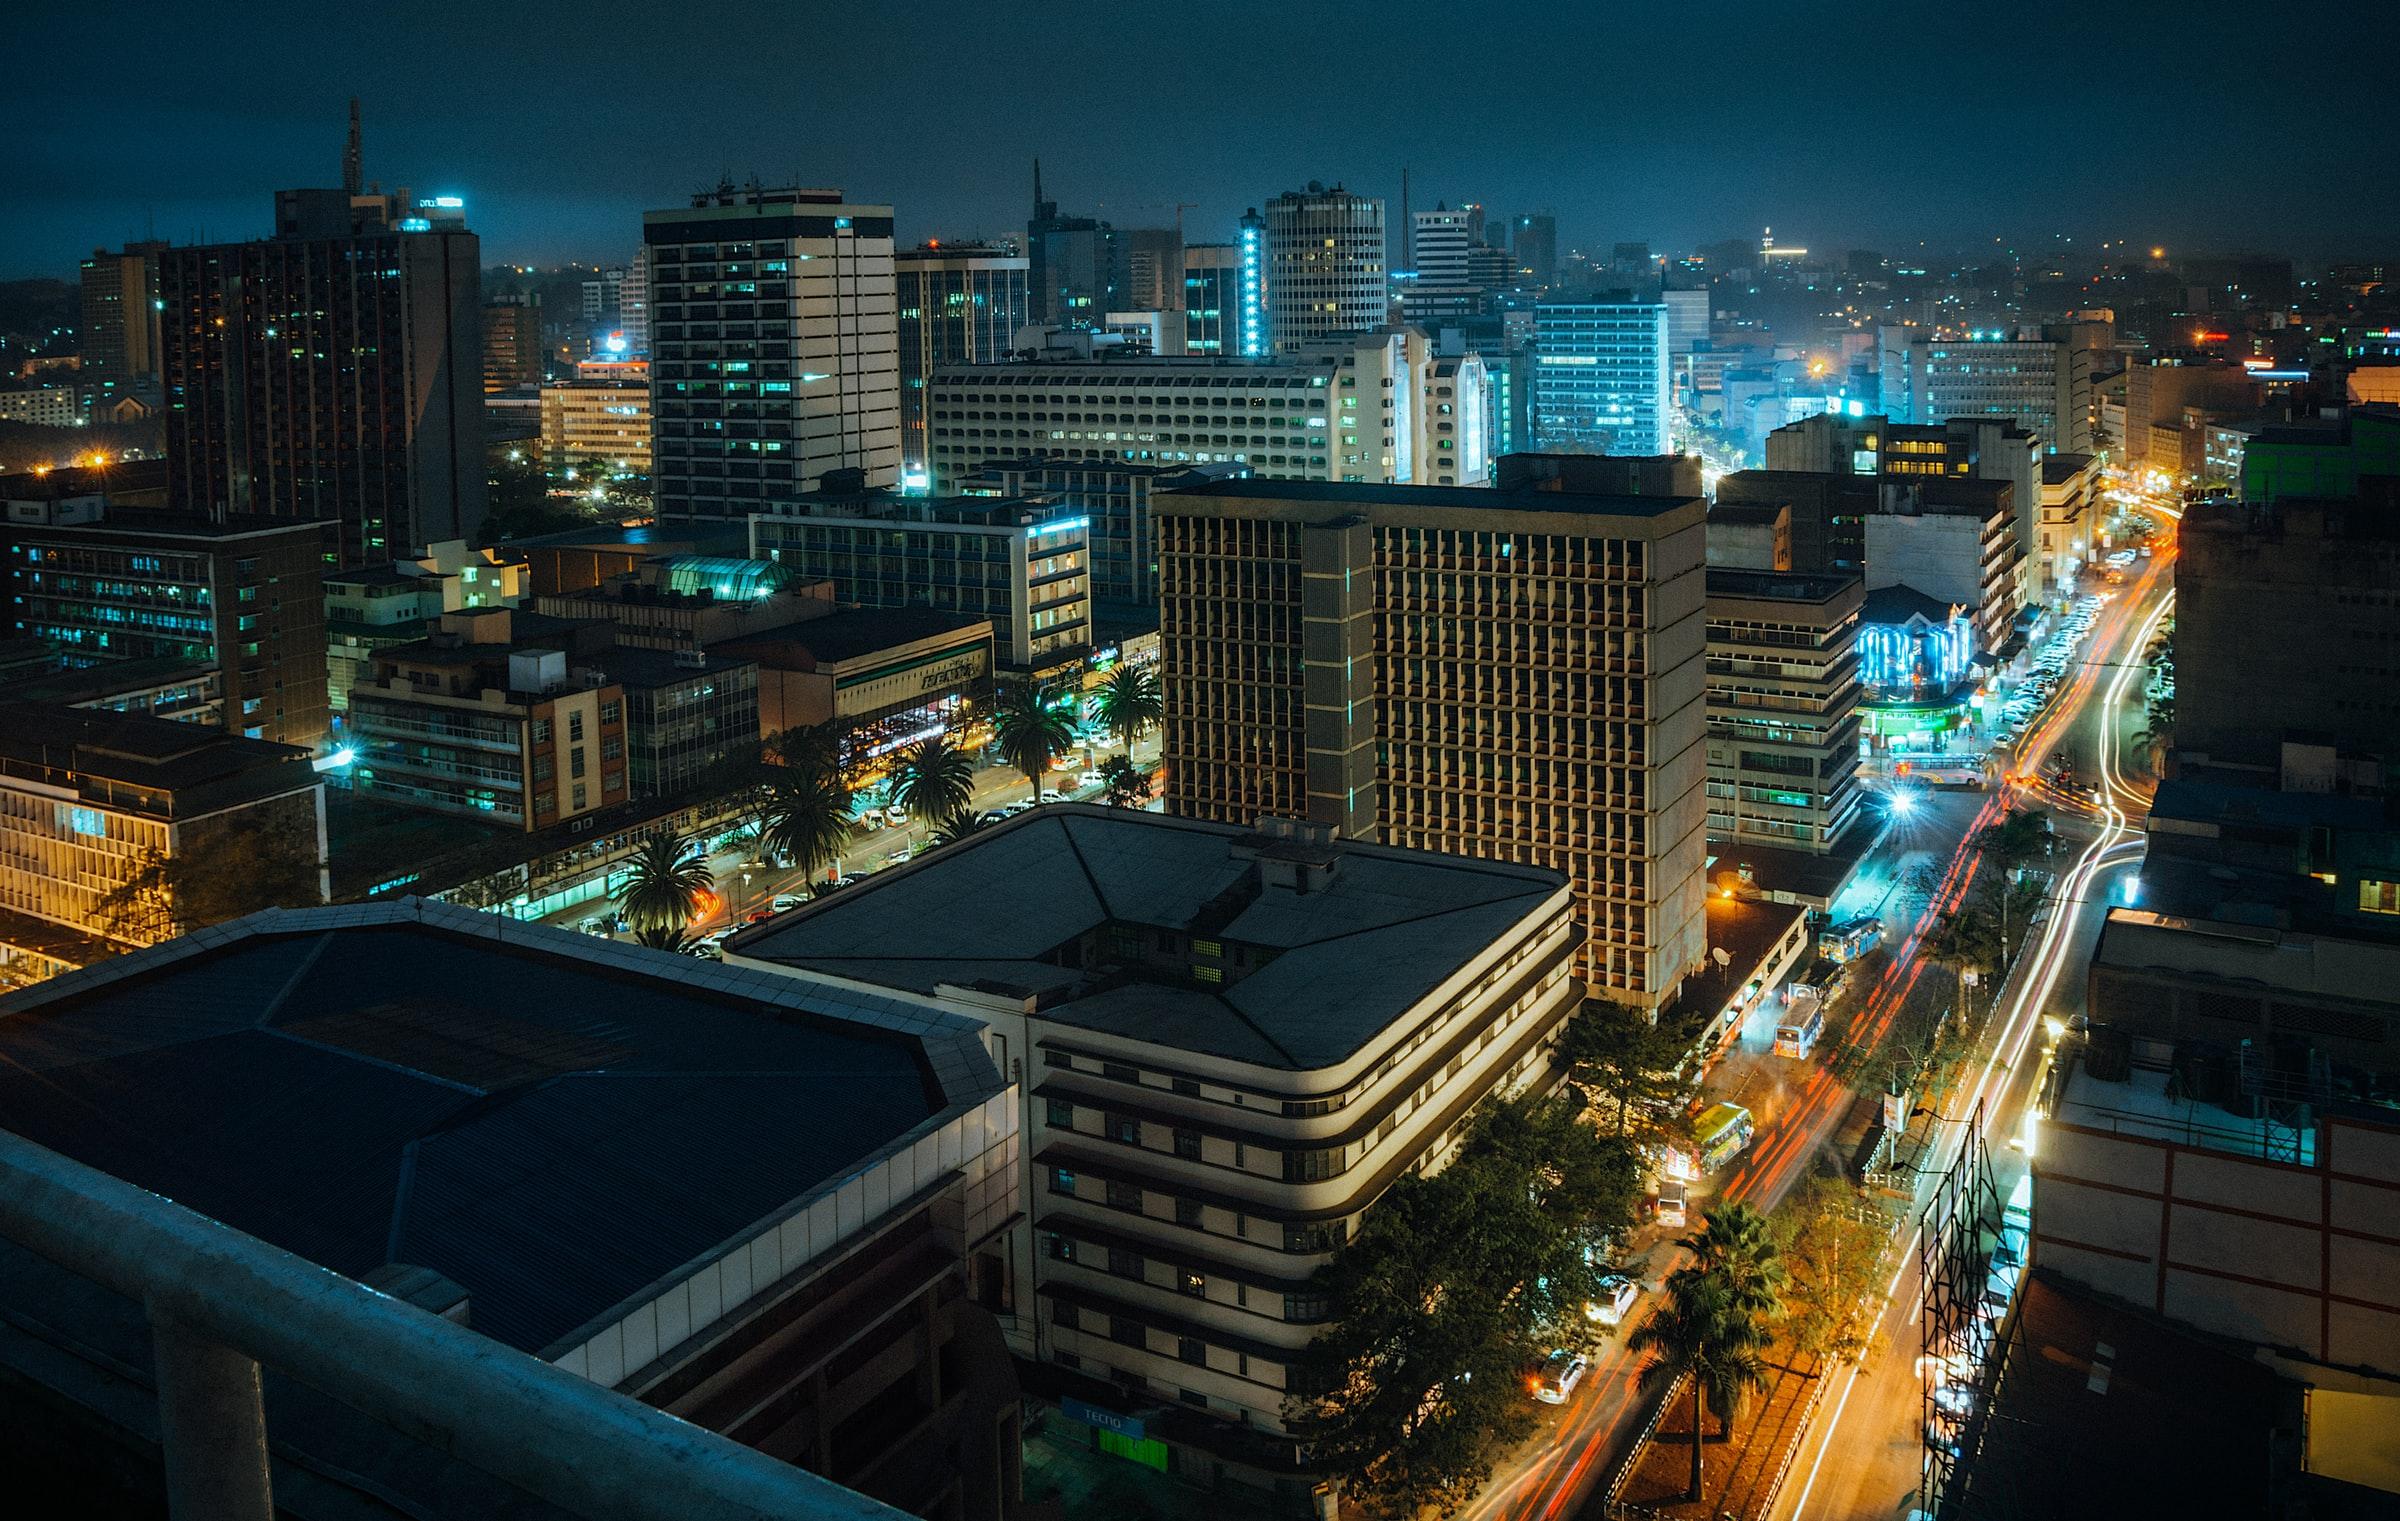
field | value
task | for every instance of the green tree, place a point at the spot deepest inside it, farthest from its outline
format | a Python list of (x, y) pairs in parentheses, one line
[(1627, 1066), (810, 749), (1031, 730), (1833, 1242), (663, 886), (220, 874), (931, 780), (2017, 840), (1123, 784), (1700, 1330), (804, 819), (1130, 703), (1737, 1244), (1965, 939), (957, 827), (1455, 1285)]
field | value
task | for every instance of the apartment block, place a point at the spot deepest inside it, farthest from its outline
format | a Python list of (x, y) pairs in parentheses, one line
[(1233, 1039), (478, 721), (87, 799), (1783, 692), (1514, 675)]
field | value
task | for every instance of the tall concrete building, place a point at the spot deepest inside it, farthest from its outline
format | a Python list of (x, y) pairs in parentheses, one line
[(960, 303), (512, 345), (1079, 269), (1534, 242), (333, 371), (1324, 265), (2042, 384), (1512, 674), (119, 337), (1600, 375), (1439, 241), (1783, 696), (775, 348), (1212, 299), (633, 305)]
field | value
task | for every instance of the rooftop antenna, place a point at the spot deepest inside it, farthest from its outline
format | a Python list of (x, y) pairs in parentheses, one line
[(353, 163)]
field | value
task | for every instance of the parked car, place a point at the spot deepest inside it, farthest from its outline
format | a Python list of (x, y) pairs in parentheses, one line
[(1617, 1295), (787, 900), (1053, 795), (758, 916), (901, 856), (1560, 1373)]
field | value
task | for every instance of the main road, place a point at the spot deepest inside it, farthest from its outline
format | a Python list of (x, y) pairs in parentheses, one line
[(1562, 1471)]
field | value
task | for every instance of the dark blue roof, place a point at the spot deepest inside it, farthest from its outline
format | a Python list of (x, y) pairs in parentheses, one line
[(552, 1131)]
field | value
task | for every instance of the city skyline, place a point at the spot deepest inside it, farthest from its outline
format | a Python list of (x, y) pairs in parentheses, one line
[(1743, 118)]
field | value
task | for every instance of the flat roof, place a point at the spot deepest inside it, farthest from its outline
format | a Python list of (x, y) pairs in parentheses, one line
[(859, 631), (1745, 514), (387, 574), (1346, 959), (1527, 499), (1778, 585), (633, 667), (132, 748), (552, 1121), (80, 684)]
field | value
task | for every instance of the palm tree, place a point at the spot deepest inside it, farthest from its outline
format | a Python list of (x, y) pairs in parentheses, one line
[(1736, 1244), (666, 937), (663, 886), (931, 780), (1130, 703), (1701, 1330), (1967, 939), (809, 749), (1123, 784), (957, 827), (805, 819), (1031, 731)]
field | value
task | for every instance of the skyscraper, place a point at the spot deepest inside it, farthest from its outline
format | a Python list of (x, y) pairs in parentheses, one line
[(1513, 674), (1079, 269), (2043, 384), (1212, 299), (633, 310), (1440, 245), (119, 339), (1600, 375), (1536, 247), (960, 304), (1153, 269), (1324, 251), (332, 371), (775, 347)]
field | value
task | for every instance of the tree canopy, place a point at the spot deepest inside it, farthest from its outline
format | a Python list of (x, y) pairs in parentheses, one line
[(220, 874)]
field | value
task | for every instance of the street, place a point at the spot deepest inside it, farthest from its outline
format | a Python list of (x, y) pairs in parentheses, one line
[(1869, 1415)]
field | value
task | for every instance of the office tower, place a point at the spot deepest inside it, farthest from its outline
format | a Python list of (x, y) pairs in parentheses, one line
[(1535, 244), (1454, 421), (1153, 270), (1600, 376), (333, 371), (1890, 450), (512, 345), (960, 303), (1688, 317), (87, 798), (1783, 696), (1490, 268), (2160, 387), (1019, 561), (1324, 271), (119, 338), (1251, 288), (1512, 674), (602, 414), (1340, 409), (105, 585), (1212, 299), (1236, 997), (2042, 384), (603, 297), (43, 406), (633, 305), (775, 348), (1440, 242), (1078, 269), (1116, 497)]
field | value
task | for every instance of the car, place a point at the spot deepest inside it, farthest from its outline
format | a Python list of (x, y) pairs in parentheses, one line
[(1053, 795), (1560, 1373), (1011, 810), (901, 856), (787, 900), (845, 880), (705, 950), (1617, 1295), (870, 818), (758, 916), (992, 816)]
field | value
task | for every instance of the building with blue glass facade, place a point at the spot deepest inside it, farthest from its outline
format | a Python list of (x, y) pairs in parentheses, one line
[(1600, 369), (960, 303)]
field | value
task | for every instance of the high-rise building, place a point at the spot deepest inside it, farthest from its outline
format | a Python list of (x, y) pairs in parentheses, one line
[(1954, 541), (602, 414), (1514, 674), (633, 306), (333, 371), (2043, 385), (1454, 422), (1212, 299), (1078, 269), (1600, 375), (1250, 289), (1153, 269), (603, 297), (1783, 721), (1340, 409), (775, 348), (960, 303), (1441, 239), (105, 585), (512, 345), (1899, 452), (1116, 497), (1535, 244), (119, 338), (1324, 251)]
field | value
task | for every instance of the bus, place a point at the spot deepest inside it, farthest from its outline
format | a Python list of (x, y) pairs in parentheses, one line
[(1719, 1135), (1850, 940), (1803, 1021)]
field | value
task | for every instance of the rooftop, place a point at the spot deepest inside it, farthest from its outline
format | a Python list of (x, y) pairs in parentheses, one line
[(387, 574), (151, 754), (862, 631), (1777, 585), (91, 683), (2151, 1102), (1008, 909), (1532, 500), (1897, 604), (2058, 469), (554, 1122), (1745, 514), (639, 668)]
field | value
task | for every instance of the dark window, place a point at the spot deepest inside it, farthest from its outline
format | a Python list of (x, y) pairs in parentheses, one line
[(1119, 1073), (1187, 1212), (1126, 1331), (1322, 1237), (1062, 1314), (1057, 1059), (1187, 1143), (1192, 1350), (1062, 1114), (1125, 1196), (1123, 1263), (1062, 1248), (1188, 1087), (1306, 1309), (1124, 1131), (1194, 1396)]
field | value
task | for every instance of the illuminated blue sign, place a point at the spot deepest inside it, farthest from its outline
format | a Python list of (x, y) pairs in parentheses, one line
[(1061, 526)]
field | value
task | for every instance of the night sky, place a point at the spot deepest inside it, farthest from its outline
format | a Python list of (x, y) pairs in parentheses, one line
[(1863, 125)]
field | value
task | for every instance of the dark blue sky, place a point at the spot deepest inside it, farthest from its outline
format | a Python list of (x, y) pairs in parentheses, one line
[(1865, 124)]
